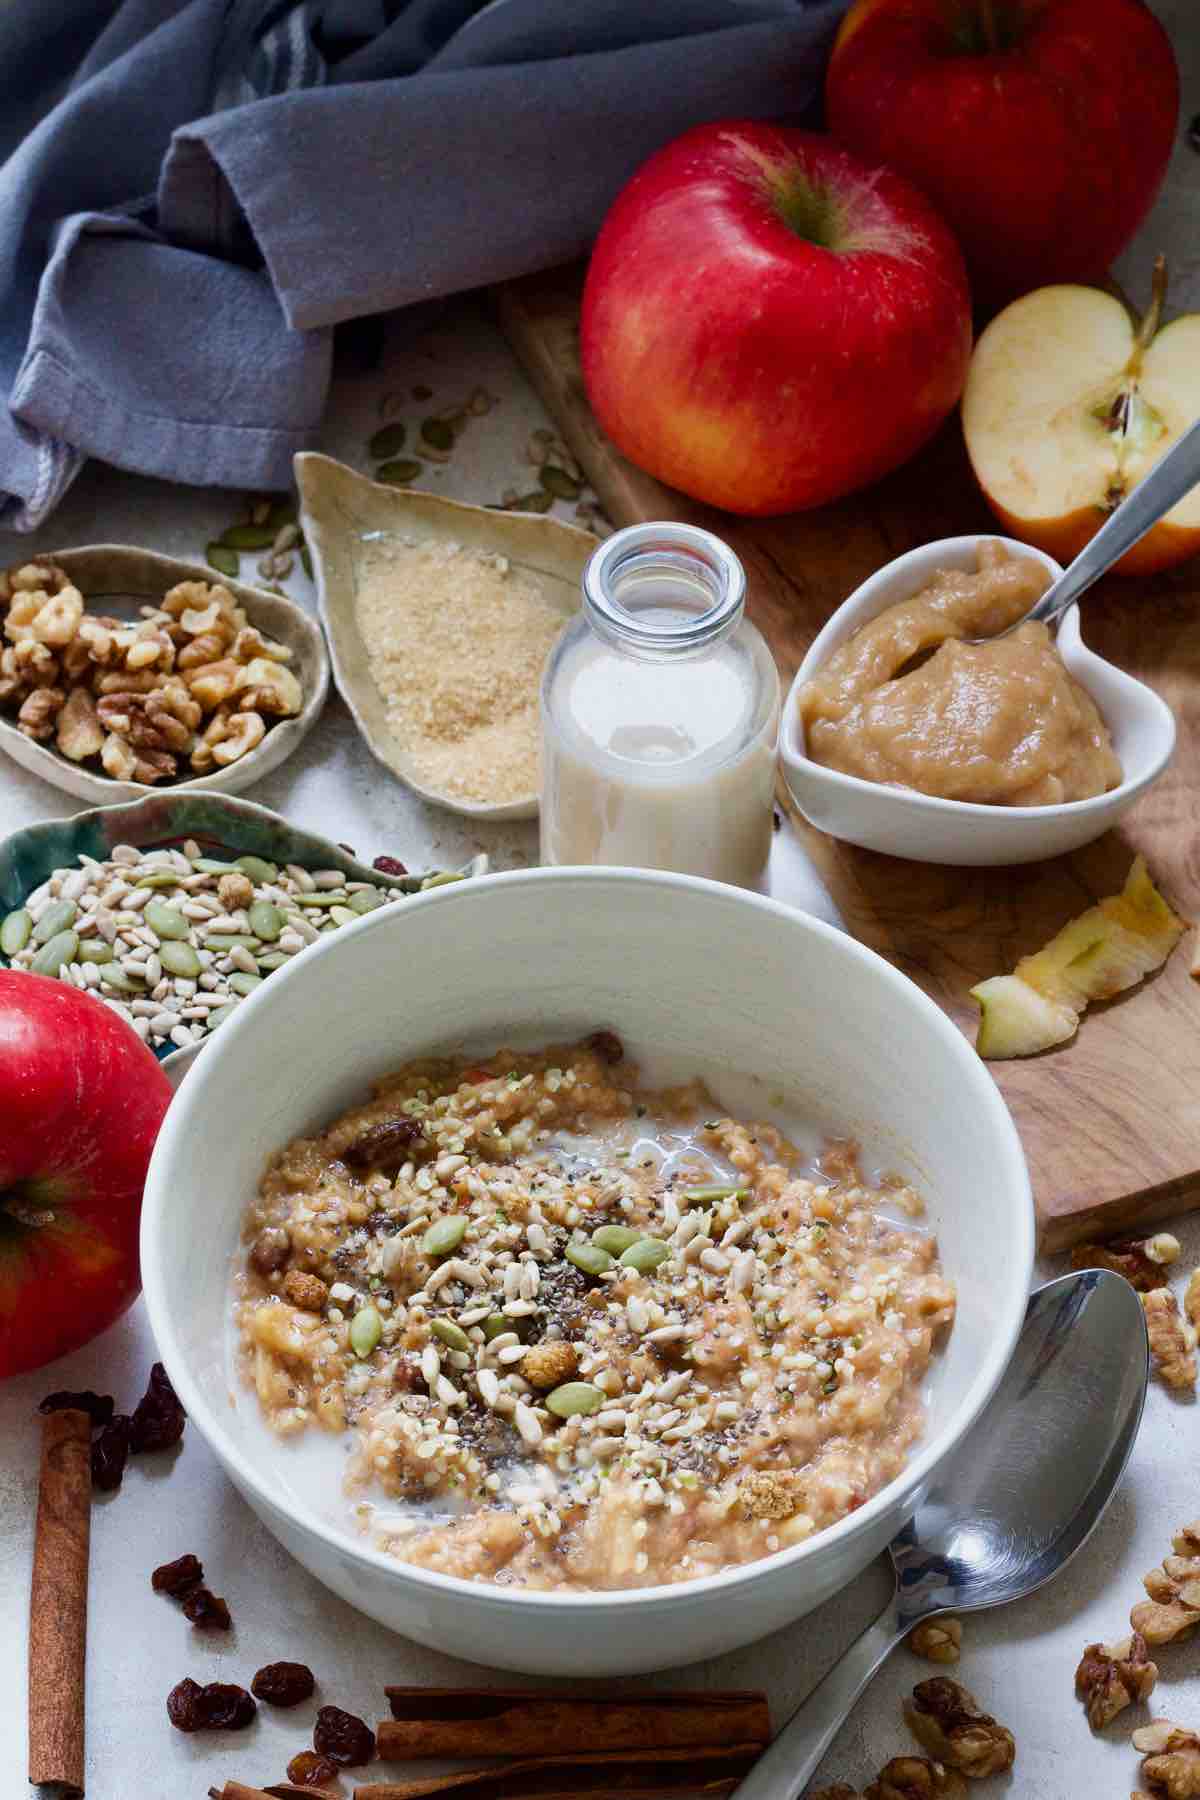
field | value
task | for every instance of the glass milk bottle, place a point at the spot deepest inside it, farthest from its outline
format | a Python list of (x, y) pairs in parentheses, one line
[(660, 704)]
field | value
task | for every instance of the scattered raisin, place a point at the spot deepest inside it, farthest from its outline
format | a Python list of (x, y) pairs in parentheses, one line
[(270, 1250), (607, 1046), (388, 865), (110, 1452), (341, 1737), (158, 1418), (98, 1407), (389, 1142), (219, 1706), (206, 1610), (175, 1578), (310, 1770), (183, 1705), (283, 1683)]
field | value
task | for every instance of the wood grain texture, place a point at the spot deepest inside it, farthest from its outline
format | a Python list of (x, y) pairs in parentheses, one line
[(1111, 1121), (58, 1603)]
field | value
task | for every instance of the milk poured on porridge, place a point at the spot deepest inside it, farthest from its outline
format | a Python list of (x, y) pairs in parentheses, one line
[(578, 1332)]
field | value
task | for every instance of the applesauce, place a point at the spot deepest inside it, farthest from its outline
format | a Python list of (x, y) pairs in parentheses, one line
[(1002, 724)]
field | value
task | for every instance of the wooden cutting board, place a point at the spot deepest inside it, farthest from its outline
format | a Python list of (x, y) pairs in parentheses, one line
[(1111, 1121)]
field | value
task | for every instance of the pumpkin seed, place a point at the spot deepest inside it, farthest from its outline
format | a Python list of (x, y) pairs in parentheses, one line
[(557, 482), (219, 1014), (274, 959), (95, 950), (55, 953), (318, 899), (57, 918), (248, 537), (704, 1196), (444, 1235), (574, 1399), (266, 920), (388, 441), (494, 1324), (180, 959), (399, 472), (120, 981), (538, 502), (211, 865), (230, 940), (590, 1258), (365, 901), (645, 1255), (165, 921), (14, 932), (257, 868), (438, 432), (221, 558), (159, 878), (450, 1333), (366, 1329), (615, 1238), (443, 878), (242, 983), (342, 915)]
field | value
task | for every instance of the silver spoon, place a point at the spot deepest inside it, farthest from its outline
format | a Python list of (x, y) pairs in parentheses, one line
[(1175, 475), (1020, 1496)]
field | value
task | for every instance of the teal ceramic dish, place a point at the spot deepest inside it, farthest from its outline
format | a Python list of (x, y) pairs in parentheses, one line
[(219, 823)]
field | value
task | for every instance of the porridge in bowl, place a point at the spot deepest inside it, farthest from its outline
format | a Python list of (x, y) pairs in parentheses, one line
[(584, 1334)]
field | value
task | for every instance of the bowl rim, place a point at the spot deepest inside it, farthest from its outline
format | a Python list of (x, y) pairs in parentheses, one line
[(798, 762), (177, 1132)]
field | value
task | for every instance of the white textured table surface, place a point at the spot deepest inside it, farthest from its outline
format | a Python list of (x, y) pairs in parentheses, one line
[(1020, 1662)]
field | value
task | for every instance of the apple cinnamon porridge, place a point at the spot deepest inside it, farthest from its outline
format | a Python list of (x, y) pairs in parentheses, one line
[(585, 1334)]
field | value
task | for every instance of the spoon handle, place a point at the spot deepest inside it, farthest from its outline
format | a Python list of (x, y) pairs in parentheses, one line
[(783, 1770), (1169, 480)]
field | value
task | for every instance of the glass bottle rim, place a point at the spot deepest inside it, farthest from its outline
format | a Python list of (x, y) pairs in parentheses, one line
[(637, 548)]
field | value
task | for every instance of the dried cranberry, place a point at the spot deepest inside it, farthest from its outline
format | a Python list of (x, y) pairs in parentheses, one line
[(110, 1452), (341, 1737), (388, 865), (283, 1683), (206, 1610), (178, 1577), (158, 1418), (98, 1407), (307, 1769), (386, 1144), (219, 1706), (607, 1046)]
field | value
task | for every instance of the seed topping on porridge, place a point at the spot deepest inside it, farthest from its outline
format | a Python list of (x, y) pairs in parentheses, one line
[(586, 1335)]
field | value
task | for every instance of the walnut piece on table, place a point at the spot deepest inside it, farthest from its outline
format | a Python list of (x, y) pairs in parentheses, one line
[(1111, 1677), (1172, 1339), (1140, 1260), (1172, 1765), (916, 1778), (1173, 1609), (937, 1640), (949, 1722)]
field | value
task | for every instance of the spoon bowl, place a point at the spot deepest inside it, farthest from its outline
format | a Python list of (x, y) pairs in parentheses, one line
[(901, 822), (1021, 1495)]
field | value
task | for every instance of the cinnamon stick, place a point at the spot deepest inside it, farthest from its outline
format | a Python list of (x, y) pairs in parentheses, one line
[(654, 1775), (523, 1722), (279, 1790), (58, 1602)]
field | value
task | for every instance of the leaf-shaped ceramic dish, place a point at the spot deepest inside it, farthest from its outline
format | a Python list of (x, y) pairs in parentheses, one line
[(219, 824), (344, 513), (117, 579)]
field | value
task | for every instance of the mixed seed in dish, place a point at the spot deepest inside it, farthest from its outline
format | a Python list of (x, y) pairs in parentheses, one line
[(586, 1335)]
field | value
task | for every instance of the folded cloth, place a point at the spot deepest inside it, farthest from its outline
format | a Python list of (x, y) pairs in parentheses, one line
[(197, 191)]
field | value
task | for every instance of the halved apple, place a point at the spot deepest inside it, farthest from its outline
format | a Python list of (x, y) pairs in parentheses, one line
[(1069, 402), (1110, 947)]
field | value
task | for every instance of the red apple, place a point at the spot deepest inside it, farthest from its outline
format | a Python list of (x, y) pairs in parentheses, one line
[(1040, 129), (81, 1101), (769, 322)]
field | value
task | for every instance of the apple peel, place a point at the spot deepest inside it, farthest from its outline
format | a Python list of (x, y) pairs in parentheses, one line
[(1110, 947)]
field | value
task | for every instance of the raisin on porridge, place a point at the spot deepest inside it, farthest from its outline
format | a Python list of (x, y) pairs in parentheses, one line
[(584, 1334)]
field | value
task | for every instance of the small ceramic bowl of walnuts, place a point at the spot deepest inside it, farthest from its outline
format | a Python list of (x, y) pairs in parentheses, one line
[(122, 670)]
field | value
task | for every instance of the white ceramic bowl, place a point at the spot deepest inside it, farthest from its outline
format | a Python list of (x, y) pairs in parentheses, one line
[(926, 829), (717, 980)]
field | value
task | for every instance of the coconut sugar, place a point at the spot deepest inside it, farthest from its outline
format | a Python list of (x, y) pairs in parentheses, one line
[(456, 640)]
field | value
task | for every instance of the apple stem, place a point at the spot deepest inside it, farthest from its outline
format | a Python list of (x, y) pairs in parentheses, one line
[(1148, 329), (991, 30)]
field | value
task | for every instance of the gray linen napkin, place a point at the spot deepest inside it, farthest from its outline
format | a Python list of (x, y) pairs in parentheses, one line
[(197, 191)]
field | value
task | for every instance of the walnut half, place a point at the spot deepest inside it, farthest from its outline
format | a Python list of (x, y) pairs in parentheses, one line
[(1111, 1677), (1129, 1257), (949, 1723), (937, 1640), (916, 1778), (1173, 1609), (1172, 1339), (1172, 1765)]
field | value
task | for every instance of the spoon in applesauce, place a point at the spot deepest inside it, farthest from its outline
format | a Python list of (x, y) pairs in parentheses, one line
[(1173, 476)]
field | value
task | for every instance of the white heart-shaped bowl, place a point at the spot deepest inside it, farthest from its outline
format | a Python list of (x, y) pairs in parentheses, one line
[(901, 822)]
